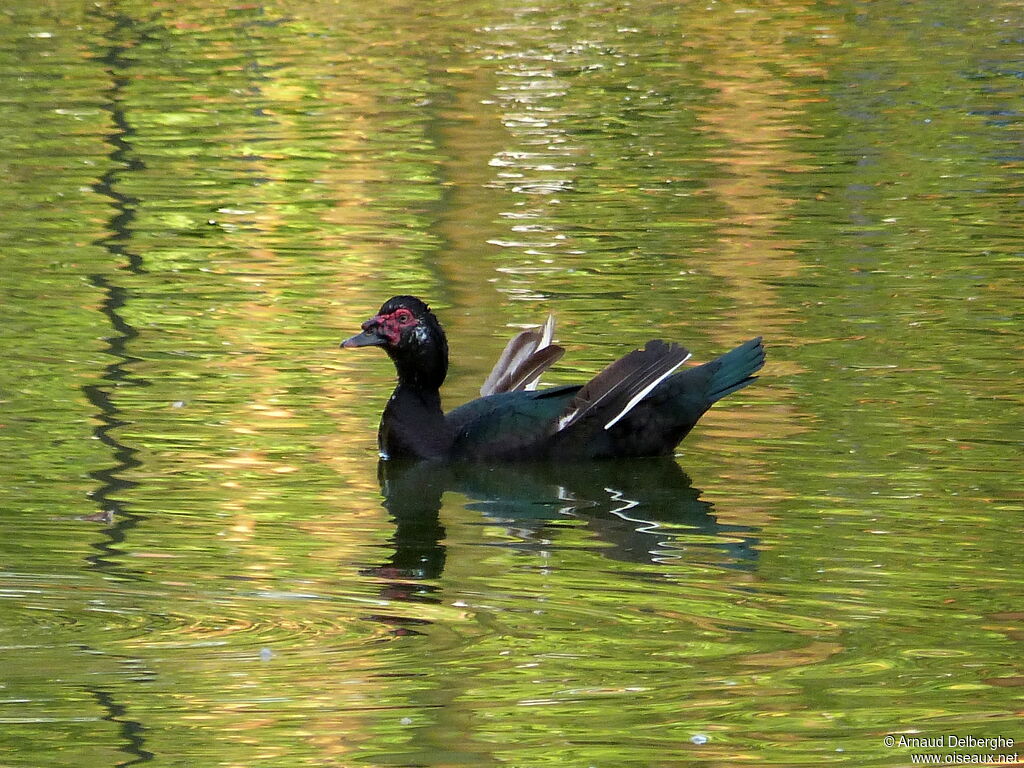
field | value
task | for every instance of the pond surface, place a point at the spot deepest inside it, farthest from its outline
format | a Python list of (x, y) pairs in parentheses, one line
[(203, 565)]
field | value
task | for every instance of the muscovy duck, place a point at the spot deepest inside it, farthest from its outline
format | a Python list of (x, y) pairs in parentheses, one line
[(637, 406)]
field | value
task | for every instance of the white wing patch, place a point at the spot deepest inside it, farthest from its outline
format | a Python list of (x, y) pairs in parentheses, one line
[(638, 396), (566, 419)]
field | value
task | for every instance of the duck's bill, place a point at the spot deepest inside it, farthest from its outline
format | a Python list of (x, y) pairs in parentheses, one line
[(364, 339)]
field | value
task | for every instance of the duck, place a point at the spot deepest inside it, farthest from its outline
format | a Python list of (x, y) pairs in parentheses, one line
[(640, 405)]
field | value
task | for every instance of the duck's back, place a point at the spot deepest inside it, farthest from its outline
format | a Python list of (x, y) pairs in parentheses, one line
[(510, 425), (540, 425)]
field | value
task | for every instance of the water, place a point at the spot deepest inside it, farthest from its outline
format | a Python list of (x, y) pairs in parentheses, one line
[(201, 564)]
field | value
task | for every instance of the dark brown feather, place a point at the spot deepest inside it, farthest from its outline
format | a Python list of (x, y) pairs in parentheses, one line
[(525, 358), (614, 389)]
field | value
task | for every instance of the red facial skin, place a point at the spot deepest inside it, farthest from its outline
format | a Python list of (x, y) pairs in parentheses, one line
[(391, 326)]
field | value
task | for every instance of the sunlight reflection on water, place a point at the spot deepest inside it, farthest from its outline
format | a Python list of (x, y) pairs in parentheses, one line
[(204, 561)]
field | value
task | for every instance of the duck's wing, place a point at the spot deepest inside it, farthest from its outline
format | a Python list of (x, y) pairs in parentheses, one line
[(617, 389), (526, 357)]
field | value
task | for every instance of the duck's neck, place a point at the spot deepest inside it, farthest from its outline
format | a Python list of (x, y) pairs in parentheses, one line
[(413, 424), (423, 364)]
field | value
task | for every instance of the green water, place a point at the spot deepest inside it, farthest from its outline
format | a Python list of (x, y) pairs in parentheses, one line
[(200, 565)]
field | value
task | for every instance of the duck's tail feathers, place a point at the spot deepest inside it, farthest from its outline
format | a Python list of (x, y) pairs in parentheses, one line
[(735, 369)]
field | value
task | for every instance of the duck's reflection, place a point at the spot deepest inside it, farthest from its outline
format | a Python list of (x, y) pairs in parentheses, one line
[(643, 511)]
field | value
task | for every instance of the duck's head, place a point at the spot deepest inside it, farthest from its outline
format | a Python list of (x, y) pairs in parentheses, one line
[(413, 338)]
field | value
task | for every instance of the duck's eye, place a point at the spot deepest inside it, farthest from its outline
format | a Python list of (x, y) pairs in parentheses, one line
[(403, 316)]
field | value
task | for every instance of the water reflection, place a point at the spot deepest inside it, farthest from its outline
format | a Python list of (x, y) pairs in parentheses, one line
[(130, 732), (116, 372), (197, 197), (644, 511)]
